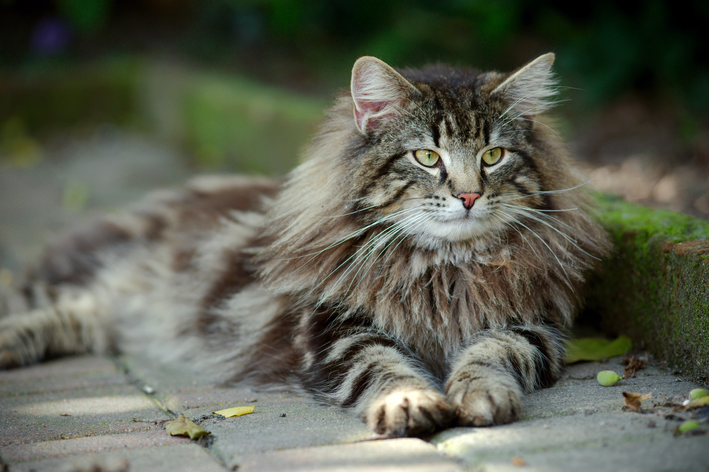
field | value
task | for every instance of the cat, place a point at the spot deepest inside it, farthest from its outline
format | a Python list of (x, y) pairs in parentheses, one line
[(420, 267)]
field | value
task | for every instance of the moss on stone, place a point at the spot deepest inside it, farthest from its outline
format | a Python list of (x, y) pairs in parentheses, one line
[(655, 287)]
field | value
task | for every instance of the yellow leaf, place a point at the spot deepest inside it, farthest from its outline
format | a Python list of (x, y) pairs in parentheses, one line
[(185, 427), (236, 411), (593, 349)]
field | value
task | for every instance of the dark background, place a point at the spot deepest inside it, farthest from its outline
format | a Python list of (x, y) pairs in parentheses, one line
[(636, 73)]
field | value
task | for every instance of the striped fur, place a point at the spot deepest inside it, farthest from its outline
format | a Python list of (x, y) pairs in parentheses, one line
[(418, 296)]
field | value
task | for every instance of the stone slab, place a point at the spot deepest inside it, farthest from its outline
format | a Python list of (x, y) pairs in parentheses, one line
[(42, 450), (407, 454), (82, 412)]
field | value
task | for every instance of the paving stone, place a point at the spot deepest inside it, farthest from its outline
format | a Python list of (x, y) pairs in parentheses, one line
[(408, 454), (88, 445), (70, 373), (578, 444), (81, 412), (155, 459), (305, 424)]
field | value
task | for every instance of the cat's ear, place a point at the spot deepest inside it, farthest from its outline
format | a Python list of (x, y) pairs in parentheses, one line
[(378, 92), (529, 90)]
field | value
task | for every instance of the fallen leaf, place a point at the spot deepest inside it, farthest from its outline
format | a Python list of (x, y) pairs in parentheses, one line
[(518, 461), (185, 427), (594, 349), (697, 402), (236, 411), (633, 400), (633, 364)]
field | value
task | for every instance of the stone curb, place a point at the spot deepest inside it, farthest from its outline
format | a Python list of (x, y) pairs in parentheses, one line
[(655, 287)]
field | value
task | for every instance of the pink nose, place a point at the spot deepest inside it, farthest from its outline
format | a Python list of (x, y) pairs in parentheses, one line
[(468, 198)]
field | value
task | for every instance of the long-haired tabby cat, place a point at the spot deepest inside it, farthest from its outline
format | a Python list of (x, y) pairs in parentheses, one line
[(419, 267)]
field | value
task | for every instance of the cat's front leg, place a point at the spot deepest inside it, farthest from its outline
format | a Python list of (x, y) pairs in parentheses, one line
[(356, 367), (489, 376)]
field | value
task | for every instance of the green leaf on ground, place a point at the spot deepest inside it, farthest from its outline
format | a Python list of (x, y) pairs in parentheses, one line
[(236, 411), (185, 427), (594, 349)]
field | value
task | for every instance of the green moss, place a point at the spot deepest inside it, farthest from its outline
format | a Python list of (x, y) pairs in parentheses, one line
[(620, 216), (655, 288)]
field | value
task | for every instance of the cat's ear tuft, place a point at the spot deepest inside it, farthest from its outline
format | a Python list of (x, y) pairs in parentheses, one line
[(530, 89), (378, 92)]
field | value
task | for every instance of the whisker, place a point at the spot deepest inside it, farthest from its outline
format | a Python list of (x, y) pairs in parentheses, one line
[(529, 213), (568, 279)]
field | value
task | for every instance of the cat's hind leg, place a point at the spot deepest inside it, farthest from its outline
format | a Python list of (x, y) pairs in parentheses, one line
[(70, 326)]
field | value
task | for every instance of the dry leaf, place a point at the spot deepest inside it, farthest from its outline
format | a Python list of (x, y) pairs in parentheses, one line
[(185, 427), (518, 461), (236, 411), (633, 400), (633, 364)]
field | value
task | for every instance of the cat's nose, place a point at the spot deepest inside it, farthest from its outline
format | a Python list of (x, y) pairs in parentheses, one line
[(468, 198)]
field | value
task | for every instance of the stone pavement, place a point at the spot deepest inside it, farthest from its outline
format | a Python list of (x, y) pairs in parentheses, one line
[(74, 413)]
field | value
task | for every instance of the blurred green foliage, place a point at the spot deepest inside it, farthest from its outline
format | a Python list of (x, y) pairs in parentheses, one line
[(606, 48)]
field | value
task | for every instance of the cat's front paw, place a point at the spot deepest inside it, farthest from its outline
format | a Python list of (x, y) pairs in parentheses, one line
[(485, 402), (409, 413)]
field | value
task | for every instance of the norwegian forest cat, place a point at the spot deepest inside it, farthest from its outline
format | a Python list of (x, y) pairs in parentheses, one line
[(420, 266)]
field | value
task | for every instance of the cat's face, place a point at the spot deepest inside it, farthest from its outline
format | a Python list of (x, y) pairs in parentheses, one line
[(451, 159)]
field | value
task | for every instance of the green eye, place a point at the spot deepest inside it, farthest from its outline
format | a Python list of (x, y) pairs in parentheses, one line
[(426, 157), (492, 156)]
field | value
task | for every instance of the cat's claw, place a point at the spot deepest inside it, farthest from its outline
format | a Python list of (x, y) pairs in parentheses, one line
[(409, 413), (485, 403)]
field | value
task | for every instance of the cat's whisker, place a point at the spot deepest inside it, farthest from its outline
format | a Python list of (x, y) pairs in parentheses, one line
[(529, 213), (512, 224), (391, 232), (551, 192), (568, 279), (357, 254), (538, 214), (408, 224), (351, 235)]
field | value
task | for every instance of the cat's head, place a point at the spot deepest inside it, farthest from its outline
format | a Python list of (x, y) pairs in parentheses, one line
[(447, 154)]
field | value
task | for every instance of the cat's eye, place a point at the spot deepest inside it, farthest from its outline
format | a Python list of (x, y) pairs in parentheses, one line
[(492, 156), (427, 157)]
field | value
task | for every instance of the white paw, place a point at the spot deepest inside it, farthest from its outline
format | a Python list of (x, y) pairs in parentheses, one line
[(409, 413), (485, 402)]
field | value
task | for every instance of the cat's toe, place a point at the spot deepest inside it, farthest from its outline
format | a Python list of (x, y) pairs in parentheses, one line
[(486, 404), (409, 413)]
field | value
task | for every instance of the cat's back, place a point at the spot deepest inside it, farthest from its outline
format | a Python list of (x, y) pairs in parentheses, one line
[(173, 225)]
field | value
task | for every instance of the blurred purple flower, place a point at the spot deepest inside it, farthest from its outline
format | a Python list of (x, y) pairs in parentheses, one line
[(50, 36)]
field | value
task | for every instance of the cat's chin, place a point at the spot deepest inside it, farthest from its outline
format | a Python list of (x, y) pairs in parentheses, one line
[(460, 230)]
